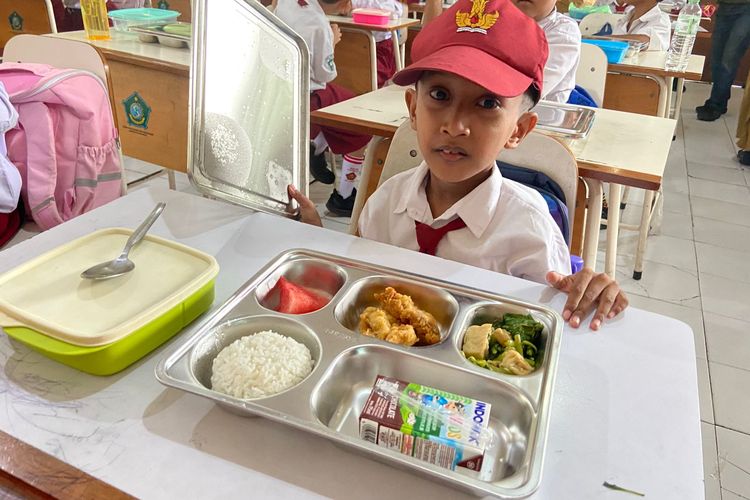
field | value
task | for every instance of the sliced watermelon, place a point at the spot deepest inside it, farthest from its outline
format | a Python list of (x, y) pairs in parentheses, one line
[(294, 299)]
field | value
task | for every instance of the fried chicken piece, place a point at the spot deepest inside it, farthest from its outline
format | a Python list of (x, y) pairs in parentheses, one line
[(375, 322), (402, 334), (402, 307)]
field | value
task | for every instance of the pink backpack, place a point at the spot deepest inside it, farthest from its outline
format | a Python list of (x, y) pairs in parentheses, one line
[(65, 145)]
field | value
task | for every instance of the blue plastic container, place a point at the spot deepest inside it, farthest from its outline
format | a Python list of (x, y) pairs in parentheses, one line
[(124, 19), (614, 49)]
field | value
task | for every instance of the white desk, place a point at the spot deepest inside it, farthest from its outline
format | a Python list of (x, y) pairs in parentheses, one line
[(625, 406), (393, 26)]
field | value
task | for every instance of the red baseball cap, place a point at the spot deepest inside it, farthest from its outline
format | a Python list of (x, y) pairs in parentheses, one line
[(488, 42)]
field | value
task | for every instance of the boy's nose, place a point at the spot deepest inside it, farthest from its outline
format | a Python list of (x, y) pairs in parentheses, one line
[(456, 123)]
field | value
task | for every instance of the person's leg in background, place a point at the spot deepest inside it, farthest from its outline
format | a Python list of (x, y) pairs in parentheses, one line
[(730, 40)]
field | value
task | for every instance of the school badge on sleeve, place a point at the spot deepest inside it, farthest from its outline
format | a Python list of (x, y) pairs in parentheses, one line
[(137, 111), (476, 21)]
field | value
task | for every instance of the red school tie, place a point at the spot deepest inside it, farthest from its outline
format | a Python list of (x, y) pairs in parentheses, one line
[(429, 237)]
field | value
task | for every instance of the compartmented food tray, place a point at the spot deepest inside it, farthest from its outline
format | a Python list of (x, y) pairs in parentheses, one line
[(329, 401), (172, 35), (564, 120), (103, 326)]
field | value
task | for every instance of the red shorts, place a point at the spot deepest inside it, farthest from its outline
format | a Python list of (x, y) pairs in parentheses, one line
[(339, 141), (386, 60)]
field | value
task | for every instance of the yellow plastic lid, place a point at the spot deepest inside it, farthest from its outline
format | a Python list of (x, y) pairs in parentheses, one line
[(48, 295)]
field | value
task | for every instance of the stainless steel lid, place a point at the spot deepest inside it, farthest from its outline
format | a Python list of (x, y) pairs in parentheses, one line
[(249, 96)]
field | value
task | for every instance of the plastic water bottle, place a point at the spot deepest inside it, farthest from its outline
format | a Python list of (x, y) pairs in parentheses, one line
[(683, 37)]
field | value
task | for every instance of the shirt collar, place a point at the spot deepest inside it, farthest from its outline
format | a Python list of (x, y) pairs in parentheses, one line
[(548, 19), (477, 209), (654, 13)]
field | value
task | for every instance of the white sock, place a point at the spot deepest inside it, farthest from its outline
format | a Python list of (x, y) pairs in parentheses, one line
[(350, 170), (320, 143)]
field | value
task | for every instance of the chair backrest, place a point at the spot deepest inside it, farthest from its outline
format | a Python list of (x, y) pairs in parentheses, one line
[(593, 23), (61, 53), (592, 71), (356, 61), (25, 16), (537, 152)]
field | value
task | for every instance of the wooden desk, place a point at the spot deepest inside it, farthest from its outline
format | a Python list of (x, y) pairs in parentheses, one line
[(625, 94), (393, 26), (159, 77), (621, 148), (154, 442)]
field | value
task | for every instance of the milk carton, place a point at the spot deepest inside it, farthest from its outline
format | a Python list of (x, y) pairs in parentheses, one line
[(439, 427)]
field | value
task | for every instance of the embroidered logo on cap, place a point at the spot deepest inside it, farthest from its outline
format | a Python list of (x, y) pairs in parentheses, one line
[(476, 21)]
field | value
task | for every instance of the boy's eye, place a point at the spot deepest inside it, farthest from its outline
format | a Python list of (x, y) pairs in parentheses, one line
[(489, 103), (439, 94)]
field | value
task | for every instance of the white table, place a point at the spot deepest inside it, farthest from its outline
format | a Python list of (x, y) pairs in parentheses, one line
[(625, 406)]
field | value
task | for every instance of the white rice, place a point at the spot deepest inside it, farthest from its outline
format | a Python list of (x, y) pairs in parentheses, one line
[(260, 365)]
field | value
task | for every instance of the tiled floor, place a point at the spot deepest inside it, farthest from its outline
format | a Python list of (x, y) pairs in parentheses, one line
[(695, 271)]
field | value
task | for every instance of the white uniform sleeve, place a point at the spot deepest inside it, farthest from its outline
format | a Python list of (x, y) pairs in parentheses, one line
[(539, 250), (657, 29), (562, 62), (322, 66)]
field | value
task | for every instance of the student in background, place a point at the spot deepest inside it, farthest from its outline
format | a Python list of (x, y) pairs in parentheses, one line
[(384, 44), (308, 19), (68, 12), (478, 72), (646, 22), (564, 40)]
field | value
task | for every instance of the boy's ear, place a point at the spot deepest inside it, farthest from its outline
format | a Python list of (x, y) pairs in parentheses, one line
[(411, 103), (525, 124)]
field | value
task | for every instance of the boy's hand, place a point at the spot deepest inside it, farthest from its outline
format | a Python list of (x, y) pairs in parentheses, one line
[(588, 291), (307, 211), (336, 33)]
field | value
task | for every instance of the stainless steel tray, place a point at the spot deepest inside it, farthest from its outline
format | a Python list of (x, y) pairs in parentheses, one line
[(564, 120), (157, 31), (328, 402)]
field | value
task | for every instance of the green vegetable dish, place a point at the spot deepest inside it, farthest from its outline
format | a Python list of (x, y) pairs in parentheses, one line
[(511, 345)]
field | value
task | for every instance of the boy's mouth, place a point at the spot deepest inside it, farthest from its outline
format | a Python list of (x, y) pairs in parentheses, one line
[(451, 153)]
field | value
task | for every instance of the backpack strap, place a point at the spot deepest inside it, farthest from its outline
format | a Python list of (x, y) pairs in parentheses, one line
[(41, 164)]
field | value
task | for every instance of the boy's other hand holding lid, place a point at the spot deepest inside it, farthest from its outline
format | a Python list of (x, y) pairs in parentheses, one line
[(307, 212), (588, 291)]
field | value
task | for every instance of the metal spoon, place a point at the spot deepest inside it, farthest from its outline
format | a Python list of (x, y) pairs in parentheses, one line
[(122, 264)]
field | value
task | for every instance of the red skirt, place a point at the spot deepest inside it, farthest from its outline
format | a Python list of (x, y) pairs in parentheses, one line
[(339, 141), (386, 60)]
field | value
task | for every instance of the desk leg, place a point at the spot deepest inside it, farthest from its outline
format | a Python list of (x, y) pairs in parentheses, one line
[(593, 220), (665, 92), (613, 228), (678, 98), (397, 52), (648, 207)]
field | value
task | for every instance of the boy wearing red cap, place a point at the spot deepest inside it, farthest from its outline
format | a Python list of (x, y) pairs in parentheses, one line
[(478, 69)]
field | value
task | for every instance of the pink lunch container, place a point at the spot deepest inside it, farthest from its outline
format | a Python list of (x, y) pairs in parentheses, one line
[(371, 16)]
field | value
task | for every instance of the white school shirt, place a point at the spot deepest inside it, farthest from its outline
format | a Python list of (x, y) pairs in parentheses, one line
[(10, 177), (508, 226), (654, 23), (564, 42), (392, 6), (311, 23)]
